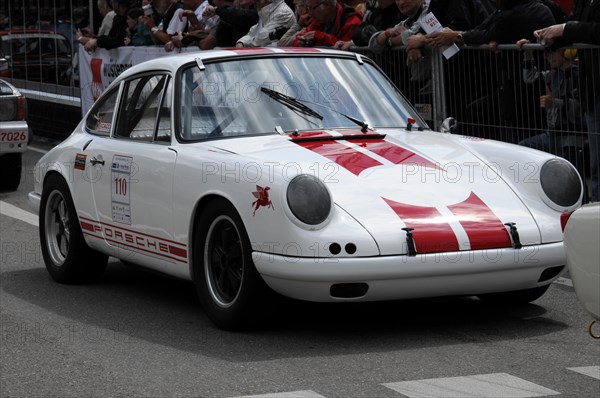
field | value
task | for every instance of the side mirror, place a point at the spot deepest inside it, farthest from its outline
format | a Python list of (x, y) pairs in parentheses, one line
[(449, 125)]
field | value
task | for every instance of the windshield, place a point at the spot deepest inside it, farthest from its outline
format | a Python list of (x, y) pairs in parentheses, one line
[(229, 98)]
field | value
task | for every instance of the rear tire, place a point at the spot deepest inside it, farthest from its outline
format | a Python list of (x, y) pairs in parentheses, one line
[(67, 257), (230, 288), (10, 171), (515, 297)]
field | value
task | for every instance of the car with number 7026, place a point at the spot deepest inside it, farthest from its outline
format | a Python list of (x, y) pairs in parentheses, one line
[(303, 172), (14, 135)]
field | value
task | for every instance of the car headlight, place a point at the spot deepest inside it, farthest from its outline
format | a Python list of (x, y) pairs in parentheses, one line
[(308, 199), (560, 182)]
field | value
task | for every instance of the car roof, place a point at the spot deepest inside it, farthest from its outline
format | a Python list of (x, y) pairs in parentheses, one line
[(173, 62)]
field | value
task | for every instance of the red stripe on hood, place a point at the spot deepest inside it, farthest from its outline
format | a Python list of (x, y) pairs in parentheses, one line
[(357, 161), (349, 158), (394, 153), (431, 235), (483, 227)]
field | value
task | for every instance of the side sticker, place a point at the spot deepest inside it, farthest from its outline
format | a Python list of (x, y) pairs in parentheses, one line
[(262, 198), (120, 182), (80, 160)]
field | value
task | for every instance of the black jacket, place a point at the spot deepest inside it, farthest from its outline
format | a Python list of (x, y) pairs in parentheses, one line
[(584, 27), (517, 19), (376, 19), (234, 23), (458, 15), (117, 34)]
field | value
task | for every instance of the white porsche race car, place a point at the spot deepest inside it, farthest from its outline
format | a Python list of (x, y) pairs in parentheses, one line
[(302, 171)]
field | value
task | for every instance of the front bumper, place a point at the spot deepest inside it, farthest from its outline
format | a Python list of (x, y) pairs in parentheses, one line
[(403, 277), (34, 200)]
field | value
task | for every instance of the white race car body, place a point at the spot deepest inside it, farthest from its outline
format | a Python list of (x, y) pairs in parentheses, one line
[(413, 213)]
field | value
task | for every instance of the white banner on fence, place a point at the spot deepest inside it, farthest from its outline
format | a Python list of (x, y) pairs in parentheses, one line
[(99, 68)]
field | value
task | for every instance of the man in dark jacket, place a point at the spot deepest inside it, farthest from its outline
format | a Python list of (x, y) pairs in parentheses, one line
[(235, 20), (512, 21), (118, 31), (584, 27), (379, 15)]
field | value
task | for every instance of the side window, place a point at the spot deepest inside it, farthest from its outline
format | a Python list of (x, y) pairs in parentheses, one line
[(140, 107), (100, 118)]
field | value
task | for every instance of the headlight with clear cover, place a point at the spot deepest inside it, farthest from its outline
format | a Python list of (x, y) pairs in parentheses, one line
[(308, 199), (561, 183)]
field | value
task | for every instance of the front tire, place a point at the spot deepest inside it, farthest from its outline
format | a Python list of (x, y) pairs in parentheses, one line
[(67, 257), (515, 297), (229, 287)]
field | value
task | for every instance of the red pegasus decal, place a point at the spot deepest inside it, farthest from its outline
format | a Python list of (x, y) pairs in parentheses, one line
[(262, 198)]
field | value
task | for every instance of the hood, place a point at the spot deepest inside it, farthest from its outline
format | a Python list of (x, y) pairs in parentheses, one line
[(425, 181)]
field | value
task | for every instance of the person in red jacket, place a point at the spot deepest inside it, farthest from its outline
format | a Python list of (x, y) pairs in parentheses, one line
[(331, 22)]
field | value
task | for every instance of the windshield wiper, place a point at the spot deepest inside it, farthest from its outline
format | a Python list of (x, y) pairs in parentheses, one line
[(291, 102), (298, 102)]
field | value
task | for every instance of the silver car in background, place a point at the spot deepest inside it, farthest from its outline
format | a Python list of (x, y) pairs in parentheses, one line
[(14, 135)]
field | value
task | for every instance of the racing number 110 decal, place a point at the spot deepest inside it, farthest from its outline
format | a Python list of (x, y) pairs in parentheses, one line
[(120, 181)]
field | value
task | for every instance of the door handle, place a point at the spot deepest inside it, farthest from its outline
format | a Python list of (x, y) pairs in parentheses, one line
[(95, 161)]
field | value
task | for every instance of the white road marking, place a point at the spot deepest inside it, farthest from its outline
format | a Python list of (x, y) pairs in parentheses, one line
[(564, 281), (291, 394), (13, 211), (494, 385), (592, 371)]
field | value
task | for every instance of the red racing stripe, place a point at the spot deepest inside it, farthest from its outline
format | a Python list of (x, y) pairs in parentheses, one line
[(178, 251), (299, 49), (394, 153), (86, 226), (250, 50), (431, 233), (483, 227), (349, 158)]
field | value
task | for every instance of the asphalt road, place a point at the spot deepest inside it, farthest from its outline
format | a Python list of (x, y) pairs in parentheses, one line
[(138, 334)]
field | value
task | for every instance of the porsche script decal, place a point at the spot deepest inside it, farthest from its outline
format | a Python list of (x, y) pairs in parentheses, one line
[(134, 240)]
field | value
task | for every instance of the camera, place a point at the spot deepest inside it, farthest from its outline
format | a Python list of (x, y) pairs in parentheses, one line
[(148, 10)]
